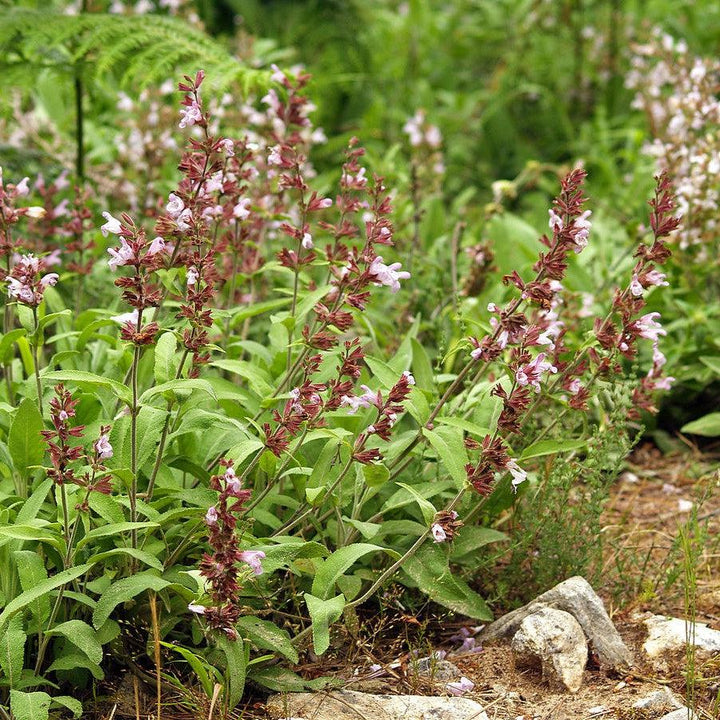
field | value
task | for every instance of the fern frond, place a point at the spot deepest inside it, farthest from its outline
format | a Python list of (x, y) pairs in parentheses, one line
[(138, 51)]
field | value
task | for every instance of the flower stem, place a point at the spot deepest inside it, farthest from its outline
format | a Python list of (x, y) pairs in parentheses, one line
[(36, 358), (134, 410)]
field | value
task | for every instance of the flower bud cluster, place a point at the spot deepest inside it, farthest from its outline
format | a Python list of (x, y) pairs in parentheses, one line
[(679, 94), (139, 291), (10, 216), (27, 283), (226, 566), (63, 454)]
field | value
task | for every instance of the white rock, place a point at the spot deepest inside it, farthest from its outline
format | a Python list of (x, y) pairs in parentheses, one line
[(557, 640), (658, 700), (682, 713), (667, 634), (350, 705), (576, 596), (435, 669)]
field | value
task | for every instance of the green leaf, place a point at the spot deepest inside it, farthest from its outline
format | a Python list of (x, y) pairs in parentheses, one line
[(375, 475), (243, 450), (258, 380), (267, 636), (471, 538), (12, 650), (550, 447), (257, 309), (8, 339), (426, 507), (141, 555), (25, 444), (707, 426), (426, 490), (283, 554), (336, 564), (279, 679), (712, 362), (53, 318), (367, 529), (417, 406), (124, 590), (323, 612), (182, 385), (165, 365), (30, 706), (421, 367), (82, 636), (31, 571), (32, 532), (73, 661), (473, 428), (429, 569), (236, 669), (90, 380), (383, 372), (31, 507), (29, 596), (73, 705), (448, 444), (114, 529), (198, 665)]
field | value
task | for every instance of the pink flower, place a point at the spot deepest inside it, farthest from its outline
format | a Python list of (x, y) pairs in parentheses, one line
[(192, 275), (531, 373), (175, 206), (368, 398), (21, 291), (123, 256), (232, 481), (275, 158), (460, 687), (156, 246), (663, 383), (518, 474), (190, 115), (582, 227), (387, 274), (211, 516), (228, 146), (30, 262), (556, 222), (183, 220), (113, 225), (654, 278), (198, 609), (635, 287), (253, 558), (648, 327), (53, 258), (574, 386), (409, 377), (242, 209), (128, 317), (48, 280), (307, 241), (438, 533), (103, 447), (22, 188)]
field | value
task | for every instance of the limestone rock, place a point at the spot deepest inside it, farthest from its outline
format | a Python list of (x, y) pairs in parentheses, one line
[(436, 669), (680, 714), (659, 700), (667, 634), (576, 597), (350, 705), (555, 638)]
